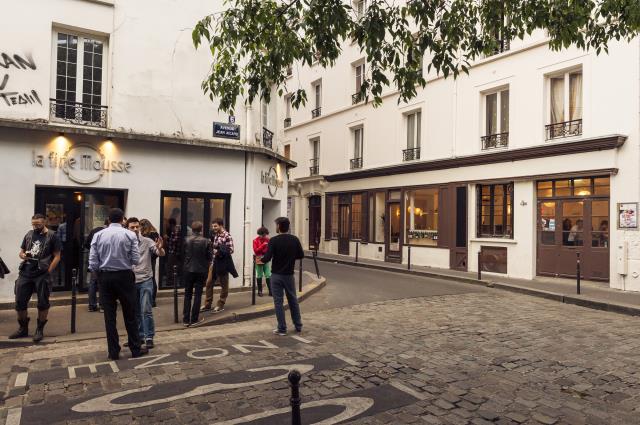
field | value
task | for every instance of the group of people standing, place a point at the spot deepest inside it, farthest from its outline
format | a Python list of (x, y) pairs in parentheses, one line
[(122, 260)]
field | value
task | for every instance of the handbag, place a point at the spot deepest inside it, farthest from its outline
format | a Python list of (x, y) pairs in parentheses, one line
[(4, 270)]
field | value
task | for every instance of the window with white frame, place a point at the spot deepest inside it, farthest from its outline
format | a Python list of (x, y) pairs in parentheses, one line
[(357, 97), (414, 134), (359, 6), (314, 166), (287, 111), (565, 104), (264, 112), (317, 92), (356, 161), (80, 80), (496, 122)]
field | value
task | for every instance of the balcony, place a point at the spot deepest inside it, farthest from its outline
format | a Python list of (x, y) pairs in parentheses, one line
[(287, 122), (492, 141), (356, 163), (316, 112), (78, 113), (267, 138), (357, 98), (411, 154), (564, 129), (314, 168)]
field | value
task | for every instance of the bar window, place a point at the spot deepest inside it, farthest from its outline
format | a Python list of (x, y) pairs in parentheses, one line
[(333, 202), (422, 217), (356, 216), (495, 211), (376, 216)]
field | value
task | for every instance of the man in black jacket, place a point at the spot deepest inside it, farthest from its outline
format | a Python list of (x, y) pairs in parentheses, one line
[(283, 251), (197, 256)]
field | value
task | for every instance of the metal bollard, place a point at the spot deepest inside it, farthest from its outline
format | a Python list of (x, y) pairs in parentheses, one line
[(294, 382), (175, 294), (578, 273), (300, 276), (74, 291), (357, 249), (315, 263), (479, 265), (253, 282), (409, 257)]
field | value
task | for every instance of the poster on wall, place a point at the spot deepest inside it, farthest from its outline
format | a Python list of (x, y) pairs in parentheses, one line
[(627, 215)]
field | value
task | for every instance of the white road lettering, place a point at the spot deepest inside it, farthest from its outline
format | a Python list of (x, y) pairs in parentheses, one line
[(105, 403), (243, 347), (353, 407), (93, 368), (193, 355), (14, 416), (152, 362), (301, 339), (402, 387), (21, 379), (345, 359)]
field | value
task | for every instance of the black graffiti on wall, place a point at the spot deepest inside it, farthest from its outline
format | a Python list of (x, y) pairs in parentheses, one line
[(12, 97)]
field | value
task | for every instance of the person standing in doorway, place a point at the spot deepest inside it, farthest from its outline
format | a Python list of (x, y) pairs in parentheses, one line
[(94, 304), (144, 282), (221, 266), (172, 242), (197, 257), (149, 231), (260, 245), (284, 249), (114, 253), (40, 255)]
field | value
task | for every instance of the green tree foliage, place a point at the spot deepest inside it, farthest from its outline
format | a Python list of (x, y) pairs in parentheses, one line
[(253, 42)]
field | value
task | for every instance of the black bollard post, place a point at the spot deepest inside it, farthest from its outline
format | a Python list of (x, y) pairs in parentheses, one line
[(578, 273), (175, 294), (357, 249), (300, 276), (409, 257), (253, 282), (479, 265), (315, 263), (74, 291), (294, 382)]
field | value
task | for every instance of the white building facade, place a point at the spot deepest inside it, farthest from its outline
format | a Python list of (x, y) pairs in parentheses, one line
[(99, 109), (530, 160)]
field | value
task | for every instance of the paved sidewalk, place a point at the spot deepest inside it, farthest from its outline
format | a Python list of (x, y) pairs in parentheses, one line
[(595, 295)]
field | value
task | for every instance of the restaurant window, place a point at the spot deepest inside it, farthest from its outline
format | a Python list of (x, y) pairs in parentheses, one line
[(575, 187), (356, 216), (333, 205), (495, 211), (376, 216), (422, 217)]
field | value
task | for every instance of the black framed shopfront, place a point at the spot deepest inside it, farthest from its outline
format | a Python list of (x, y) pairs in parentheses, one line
[(178, 210)]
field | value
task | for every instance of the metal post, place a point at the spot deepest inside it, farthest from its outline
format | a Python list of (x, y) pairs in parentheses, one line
[(74, 291), (578, 273), (315, 263), (409, 257), (253, 282), (479, 265), (300, 277), (175, 294), (357, 249), (294, 382)]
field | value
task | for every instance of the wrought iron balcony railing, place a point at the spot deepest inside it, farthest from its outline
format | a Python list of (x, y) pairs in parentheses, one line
[(316, 112), (287, 122), (313, 168), (78, 113), (356, 163), (267, 138), (498, 140), (564, 129), (410, 154), (356, 98)]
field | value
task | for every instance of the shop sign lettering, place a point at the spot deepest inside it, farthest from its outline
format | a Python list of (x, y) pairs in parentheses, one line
[(270, 178), (82, 163)]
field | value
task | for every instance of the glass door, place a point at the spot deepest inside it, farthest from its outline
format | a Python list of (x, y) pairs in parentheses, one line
[(394, 229)]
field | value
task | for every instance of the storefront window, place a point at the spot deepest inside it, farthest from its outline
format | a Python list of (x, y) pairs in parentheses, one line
[(356, 216), (600, 224), (376, 217), (495, 210), (583, 186), (333, 203), (422, 217)]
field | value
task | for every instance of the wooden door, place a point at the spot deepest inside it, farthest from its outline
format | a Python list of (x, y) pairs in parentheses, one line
[(344, 228), (314, 222)]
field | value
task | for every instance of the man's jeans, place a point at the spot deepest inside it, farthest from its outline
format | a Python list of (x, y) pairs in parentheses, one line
[(146, 327), (281, 285), (93, 291)]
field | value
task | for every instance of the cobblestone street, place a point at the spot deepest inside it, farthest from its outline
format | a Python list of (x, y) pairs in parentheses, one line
[(455, 359)]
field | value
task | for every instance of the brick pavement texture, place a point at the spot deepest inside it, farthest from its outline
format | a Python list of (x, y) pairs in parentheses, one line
[(478, 358)]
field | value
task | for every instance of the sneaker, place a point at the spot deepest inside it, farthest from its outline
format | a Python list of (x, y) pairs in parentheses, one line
[(142, 352), (186, 324), (298, 330), (205, 308), (218, 309), (149, 343), (279, 332), (198, 322), (92, 309)]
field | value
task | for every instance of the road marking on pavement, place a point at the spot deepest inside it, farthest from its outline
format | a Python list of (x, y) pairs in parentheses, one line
[(21, 379), (301, 339), (13, 416), (93, 368), (400, 386), (152, 362), (264, 344), (222, 352), (345, 359)]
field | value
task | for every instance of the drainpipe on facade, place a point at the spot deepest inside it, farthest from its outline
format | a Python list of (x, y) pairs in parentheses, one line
[(248, 134)]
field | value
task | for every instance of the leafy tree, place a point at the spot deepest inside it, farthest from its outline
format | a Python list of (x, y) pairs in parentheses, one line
[(253, 42)]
